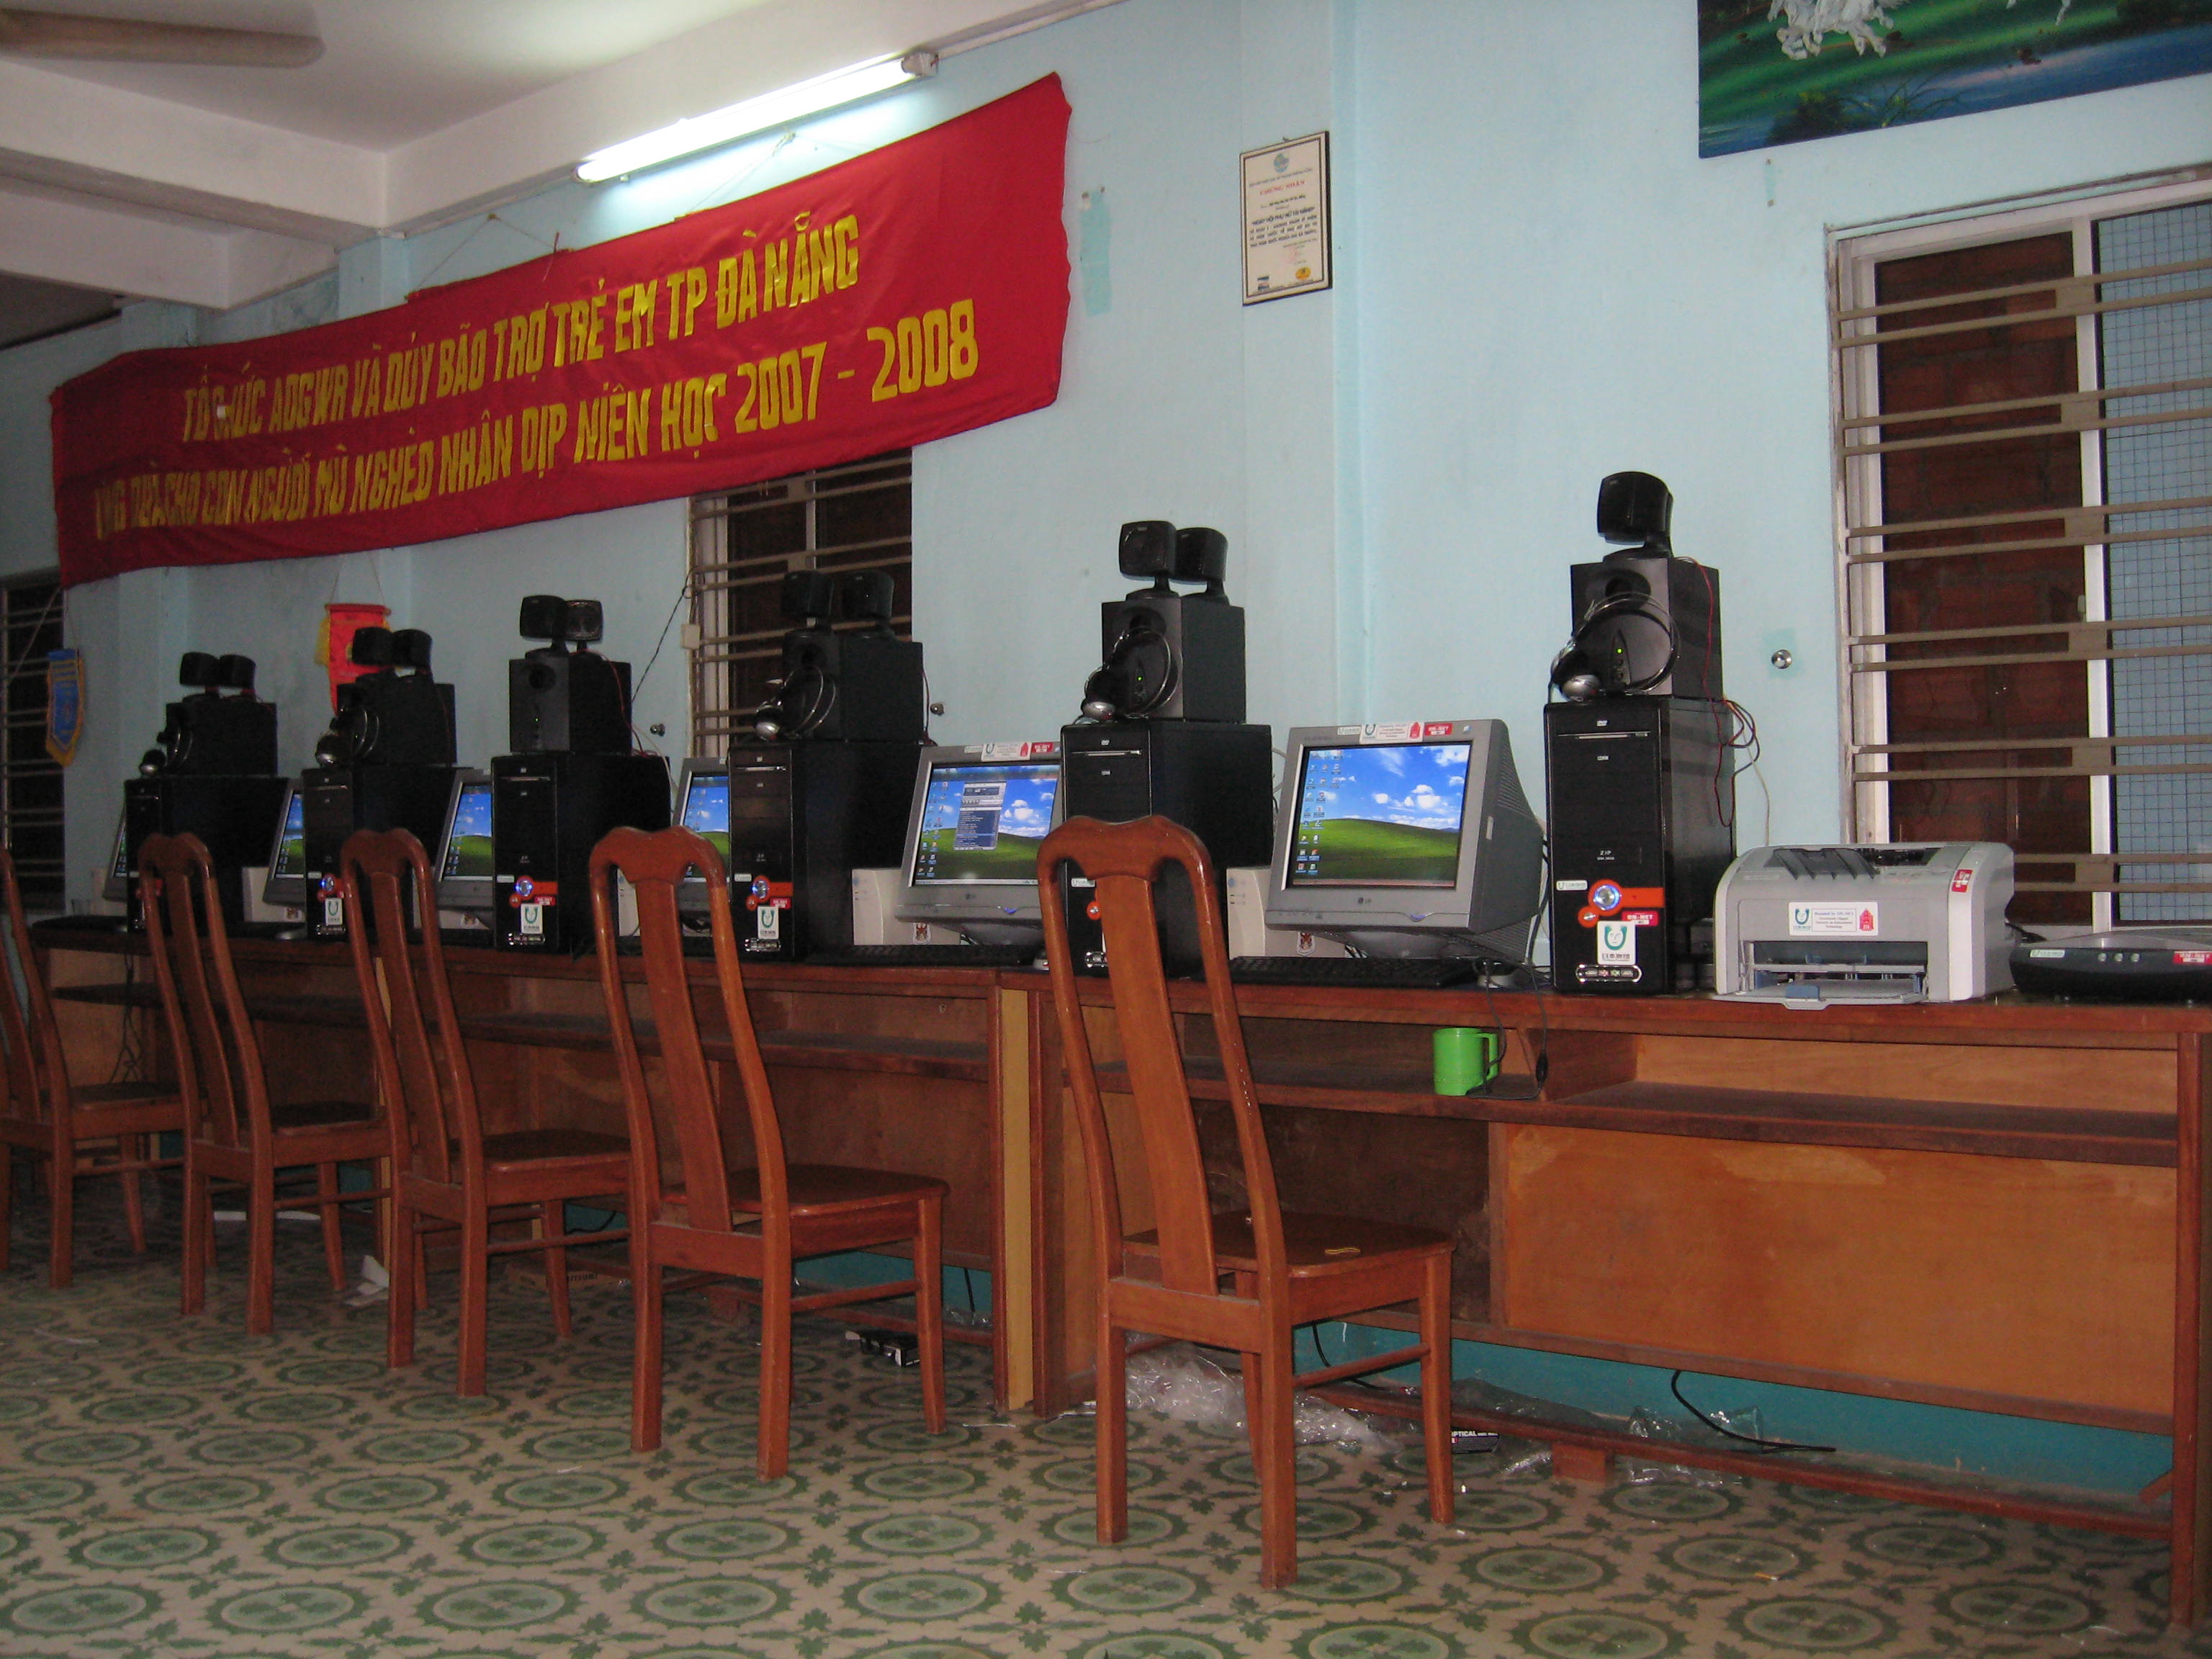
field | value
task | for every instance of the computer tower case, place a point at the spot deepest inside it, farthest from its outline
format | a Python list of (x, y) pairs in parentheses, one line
[(235, 817), (803, 817), (1643, 810), (1629, 607), (548, 811), (1215, 778), (340, 799)]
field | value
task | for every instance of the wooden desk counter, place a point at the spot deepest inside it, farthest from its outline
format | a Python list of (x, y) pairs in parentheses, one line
[(1997, 1205)]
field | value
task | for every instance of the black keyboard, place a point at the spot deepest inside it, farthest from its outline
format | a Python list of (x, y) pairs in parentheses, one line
[(924, 956), (1378, 972)]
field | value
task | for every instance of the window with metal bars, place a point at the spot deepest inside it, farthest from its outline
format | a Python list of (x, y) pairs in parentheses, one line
[(855, 517), (2024, 436), (30, 779)]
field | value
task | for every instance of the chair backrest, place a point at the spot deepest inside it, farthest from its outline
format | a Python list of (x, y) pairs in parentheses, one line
[(422, 1071), (36, 1071), (1125, 861), (211, 1036), (655, 865)]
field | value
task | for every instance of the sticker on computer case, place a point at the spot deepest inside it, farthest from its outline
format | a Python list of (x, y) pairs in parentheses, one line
[(767, 922), (334, 913), (1019, 751), (533, 920), (1616, 944), (1828, 920)]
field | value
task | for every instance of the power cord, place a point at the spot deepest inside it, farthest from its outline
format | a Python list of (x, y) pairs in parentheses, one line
[(1675, 1387)]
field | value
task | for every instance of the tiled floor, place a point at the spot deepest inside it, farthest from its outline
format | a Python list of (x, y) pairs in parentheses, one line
[(168, 1486)]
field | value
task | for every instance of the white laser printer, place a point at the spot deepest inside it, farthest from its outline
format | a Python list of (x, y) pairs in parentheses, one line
[(1809, 926)]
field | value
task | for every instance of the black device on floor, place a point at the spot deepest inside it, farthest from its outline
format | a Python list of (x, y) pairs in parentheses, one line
[(793, 821), (1215, 779), (1643, 805)]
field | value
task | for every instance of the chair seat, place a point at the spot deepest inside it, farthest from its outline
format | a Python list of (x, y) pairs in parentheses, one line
[(299, 1114), (552, 1146), (1311, 1241), (820, 1189)]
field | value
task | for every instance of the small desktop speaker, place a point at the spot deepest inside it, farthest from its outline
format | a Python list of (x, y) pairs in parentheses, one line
[(856, 687), (1172, 657), (562, 702)]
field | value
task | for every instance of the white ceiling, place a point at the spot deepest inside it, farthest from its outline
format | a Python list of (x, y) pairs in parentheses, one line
[(215, 185)]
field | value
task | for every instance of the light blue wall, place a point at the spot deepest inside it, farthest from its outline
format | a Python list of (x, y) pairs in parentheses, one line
[(1539, 282)]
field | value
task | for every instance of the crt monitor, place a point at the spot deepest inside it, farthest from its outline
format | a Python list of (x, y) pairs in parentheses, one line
[(464, 864), (116, 888), (1408, 840), (979, 814), (287, 883), (702, 805)]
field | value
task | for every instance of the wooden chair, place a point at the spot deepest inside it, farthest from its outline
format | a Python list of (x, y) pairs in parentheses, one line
[(1283, 1269), (233, 1134), (728, 1215), (446, 1171), (78, 1129)]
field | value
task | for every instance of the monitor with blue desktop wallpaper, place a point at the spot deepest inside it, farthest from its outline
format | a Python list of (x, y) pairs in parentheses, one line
[(286, 882), (463, 855), (979, 812), (1413, 840)]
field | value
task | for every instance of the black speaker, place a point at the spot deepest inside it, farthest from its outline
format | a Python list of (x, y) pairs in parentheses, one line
[(864, 687), (1171, 657), (1645, 624), (563, 702)]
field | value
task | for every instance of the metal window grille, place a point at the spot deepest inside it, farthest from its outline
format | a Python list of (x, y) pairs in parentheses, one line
[(2024, 442), (858, 516), (30, 780)]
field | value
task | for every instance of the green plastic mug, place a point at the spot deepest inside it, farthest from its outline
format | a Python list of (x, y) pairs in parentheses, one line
[(1466, 1059)]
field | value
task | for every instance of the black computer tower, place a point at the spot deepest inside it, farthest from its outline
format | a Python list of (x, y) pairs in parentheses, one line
[(336, 800), (234, 817), (548, 811), (1643, 809), (803, 817), (1214, 778)]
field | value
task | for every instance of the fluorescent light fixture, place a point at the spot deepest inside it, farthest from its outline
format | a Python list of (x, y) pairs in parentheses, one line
[(770, 109)]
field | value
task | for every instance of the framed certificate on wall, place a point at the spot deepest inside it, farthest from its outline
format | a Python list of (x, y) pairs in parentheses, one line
[(1286, 218)]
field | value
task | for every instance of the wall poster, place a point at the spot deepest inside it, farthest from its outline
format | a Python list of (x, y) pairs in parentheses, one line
[(1779, 71)]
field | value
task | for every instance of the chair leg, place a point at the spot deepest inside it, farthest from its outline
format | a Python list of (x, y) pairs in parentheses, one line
[(61, 1166), (476, 1298), (406, 1250), (7, 1199), (645, 1355), (130, 1153), (261, 1256), (326, 1188), (1277, 1465), (774, 1447), (556, 1224), (199, 1229), (1113, 1477), (1435, 1384), (929, 1311)]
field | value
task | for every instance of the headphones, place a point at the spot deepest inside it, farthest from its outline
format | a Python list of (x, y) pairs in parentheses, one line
[(1584, 671)]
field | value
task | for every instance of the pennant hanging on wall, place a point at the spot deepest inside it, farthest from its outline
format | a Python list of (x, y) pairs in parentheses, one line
[(64, 703)]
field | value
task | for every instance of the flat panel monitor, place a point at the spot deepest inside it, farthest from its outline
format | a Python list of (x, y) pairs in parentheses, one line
[(464, 859), (286, 882), (116, 887), (1412, 840), (979, 814)]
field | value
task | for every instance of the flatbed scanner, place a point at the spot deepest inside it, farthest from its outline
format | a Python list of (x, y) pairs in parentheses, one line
[(1813, 926)]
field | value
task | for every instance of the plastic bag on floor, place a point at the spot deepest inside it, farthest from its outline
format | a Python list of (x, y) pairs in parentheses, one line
[(1179, 1381), (1648, 1426)]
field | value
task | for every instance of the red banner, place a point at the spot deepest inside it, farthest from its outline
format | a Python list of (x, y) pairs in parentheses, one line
[(913, 292)]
